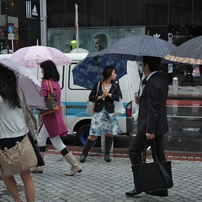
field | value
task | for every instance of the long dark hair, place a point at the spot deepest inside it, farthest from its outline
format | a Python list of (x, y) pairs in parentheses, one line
[(50, 70), (8, 87)]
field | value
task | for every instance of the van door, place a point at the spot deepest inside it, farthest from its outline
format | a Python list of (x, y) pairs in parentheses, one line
[(129, 86)]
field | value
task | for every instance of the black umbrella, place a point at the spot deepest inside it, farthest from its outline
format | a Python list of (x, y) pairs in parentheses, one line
[(136, 46)]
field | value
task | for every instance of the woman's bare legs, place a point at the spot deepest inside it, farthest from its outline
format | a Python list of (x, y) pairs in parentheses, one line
[(29, 186), (11, 186)]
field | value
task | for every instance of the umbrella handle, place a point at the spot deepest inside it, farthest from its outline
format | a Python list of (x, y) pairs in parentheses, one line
[(100, 76)]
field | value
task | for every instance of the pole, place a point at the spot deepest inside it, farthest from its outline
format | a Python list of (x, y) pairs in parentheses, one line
[(7, 46), (43, 22), (77, 26)]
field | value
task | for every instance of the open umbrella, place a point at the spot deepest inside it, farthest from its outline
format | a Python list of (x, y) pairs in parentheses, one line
[(79, 50), (31, 56), (27, 82), (87, 72), (136, 46), (190, 52)]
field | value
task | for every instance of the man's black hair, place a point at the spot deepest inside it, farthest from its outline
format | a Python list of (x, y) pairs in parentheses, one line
[(152, 62)]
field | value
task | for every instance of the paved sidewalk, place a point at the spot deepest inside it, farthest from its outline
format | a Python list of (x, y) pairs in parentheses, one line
[(186, 92), (105, 182)]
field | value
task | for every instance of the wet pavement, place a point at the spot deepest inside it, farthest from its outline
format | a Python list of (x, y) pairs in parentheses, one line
[(108, 182), (105, 182)]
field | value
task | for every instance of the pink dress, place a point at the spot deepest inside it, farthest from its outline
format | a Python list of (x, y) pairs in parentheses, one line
[(54, 122)]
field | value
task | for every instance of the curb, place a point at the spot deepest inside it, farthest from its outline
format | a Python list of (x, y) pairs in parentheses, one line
[(123, 153)]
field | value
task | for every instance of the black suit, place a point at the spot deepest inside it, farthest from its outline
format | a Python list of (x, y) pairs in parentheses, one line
[(108, 102), (151, 118)]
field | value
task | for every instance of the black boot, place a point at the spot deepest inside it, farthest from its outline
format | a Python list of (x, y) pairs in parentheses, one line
[(86, 149), (108, 144)]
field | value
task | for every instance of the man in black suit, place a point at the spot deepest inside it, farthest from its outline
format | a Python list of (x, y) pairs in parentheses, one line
[(152, 120)]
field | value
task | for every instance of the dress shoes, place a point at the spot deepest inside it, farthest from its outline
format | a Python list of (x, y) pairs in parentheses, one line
[(158, 193), (132, 193)]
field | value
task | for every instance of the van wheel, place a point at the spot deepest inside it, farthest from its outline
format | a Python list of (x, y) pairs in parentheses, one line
[(82, 135)]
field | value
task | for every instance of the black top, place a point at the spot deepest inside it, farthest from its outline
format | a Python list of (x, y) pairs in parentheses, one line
[(108, 102)]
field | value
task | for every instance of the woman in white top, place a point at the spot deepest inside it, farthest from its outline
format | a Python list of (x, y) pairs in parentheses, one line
[(13, 128)]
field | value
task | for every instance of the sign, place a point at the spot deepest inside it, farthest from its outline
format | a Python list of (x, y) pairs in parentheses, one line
[(10, 29), (11, 36), (32, 10), (196, 71)]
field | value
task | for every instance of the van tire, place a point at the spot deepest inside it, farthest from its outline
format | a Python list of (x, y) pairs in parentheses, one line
[(82, 135)]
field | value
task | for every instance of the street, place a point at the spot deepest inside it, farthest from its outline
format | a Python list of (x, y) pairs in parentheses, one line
[(184, 131)]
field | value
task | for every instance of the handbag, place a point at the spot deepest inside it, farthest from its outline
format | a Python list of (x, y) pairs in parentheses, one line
[(152, 176), (91, 104), (51, 102), (119, 108), (19, 158)]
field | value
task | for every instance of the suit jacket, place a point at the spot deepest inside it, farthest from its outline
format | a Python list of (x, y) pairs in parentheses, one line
[(108, 103), (152, 107)]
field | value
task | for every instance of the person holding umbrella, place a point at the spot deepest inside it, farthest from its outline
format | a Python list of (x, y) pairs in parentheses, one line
[(53, 125), (13, 128), (152, 120), (104, 121)]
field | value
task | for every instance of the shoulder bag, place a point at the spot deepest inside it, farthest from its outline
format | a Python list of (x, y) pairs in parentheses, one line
[(51, 102), (152, 176), (90, 104), (19, 158)]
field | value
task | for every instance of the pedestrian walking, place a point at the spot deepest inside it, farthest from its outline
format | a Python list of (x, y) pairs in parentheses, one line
[(152, 120), (13, 128), (53, 125), (188, 74), (104, 121)]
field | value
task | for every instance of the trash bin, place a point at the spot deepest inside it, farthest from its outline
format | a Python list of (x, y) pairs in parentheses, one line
[(175, 86), (103, 144)]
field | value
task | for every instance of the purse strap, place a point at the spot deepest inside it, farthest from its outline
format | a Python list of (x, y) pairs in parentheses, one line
[(153, 150), (24, 106), (51, 88)]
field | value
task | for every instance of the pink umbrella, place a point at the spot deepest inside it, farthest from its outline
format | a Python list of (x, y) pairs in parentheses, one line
[(31, 56)]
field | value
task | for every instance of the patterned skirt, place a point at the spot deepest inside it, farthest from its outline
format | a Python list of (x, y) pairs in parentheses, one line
[(105, 123)]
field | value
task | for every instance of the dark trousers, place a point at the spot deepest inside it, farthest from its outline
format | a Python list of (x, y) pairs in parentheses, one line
[(137, 147)]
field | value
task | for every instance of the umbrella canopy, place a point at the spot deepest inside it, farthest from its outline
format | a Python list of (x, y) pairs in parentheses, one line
[(80, 50), (190, 52), (136, 46), (27, 82), (86, 73), (31, 56)]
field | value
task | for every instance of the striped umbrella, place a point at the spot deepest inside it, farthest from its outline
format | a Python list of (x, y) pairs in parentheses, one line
[(190, 52)]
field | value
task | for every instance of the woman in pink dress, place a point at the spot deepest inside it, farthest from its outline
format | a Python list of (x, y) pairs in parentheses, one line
[(53, 125)]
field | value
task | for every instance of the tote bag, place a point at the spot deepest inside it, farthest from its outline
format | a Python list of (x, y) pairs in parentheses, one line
[(91, 105), (51, 102), (152, 176)]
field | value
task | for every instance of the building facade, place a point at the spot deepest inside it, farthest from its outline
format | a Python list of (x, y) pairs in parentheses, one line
[(174, 20)]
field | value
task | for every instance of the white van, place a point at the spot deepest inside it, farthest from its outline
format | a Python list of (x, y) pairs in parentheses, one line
[(75, 99)]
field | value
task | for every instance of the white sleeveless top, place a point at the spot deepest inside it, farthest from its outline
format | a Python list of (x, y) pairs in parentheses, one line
[(12, 122)]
